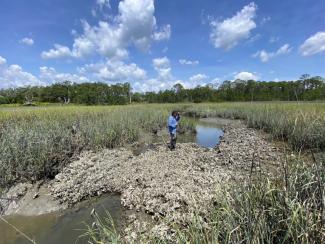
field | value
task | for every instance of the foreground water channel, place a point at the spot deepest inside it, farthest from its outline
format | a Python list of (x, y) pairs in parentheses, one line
[(67, 226)]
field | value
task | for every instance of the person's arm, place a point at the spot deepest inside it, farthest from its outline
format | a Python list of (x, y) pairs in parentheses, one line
[(178, 117)]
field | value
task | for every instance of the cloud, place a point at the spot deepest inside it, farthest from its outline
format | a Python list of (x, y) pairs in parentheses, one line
[(109, 71), (246, 76), (2, 60), (163, 34), (134, 25), (49, 75), (198, 79), (163, 68), (228, 33), (313, 45), (27, 41), (161, 62), (103, 3), (188, 62), (164, 79), (114, 71), (266, 56), (58, 52), (14, 76), (216, 82)]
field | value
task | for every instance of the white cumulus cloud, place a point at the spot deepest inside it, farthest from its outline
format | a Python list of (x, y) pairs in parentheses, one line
[(226, 34), (14, 76), (246, 76), (198, 79), (114, 71), (2, 60), (164, 79), (163, 68), (313, 45), (27, 41), (188, 62), (49, 75), (58, 52), (266, 56), (135, 24)]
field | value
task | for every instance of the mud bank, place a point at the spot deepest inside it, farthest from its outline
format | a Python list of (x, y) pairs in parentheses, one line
[(166, 185), (29, 200)]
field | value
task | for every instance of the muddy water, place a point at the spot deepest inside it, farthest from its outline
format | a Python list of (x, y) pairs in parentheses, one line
[(60, 227), (66, 226)]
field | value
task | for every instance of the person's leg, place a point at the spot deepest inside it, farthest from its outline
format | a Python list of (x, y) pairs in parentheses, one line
[(175, 138), (173, 142)]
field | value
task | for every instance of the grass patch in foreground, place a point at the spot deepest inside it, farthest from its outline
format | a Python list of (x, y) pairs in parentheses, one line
[(287, 209)]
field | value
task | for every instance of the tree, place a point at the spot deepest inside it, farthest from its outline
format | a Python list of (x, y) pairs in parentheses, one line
[(178, 88), (304, 76)]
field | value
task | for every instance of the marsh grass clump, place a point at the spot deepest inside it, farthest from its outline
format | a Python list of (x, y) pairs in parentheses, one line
[(102, 230), (38, 142)]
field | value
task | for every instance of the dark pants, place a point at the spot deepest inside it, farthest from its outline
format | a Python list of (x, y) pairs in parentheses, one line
[(172, 141)]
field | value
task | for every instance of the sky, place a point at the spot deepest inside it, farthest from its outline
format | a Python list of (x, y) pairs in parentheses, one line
[(154, 44)]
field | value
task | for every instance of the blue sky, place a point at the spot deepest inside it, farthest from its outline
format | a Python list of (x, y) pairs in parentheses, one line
[(155, 44)]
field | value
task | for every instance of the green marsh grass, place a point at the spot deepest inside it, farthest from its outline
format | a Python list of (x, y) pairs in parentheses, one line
[(36, 142), (302, 125)]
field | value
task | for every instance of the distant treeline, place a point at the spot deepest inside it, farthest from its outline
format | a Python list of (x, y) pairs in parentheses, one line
[(307, 88), (68, 92)]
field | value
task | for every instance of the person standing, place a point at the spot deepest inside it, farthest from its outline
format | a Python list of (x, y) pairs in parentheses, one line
[(172, 128)]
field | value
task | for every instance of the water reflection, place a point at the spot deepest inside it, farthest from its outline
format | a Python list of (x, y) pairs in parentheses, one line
[(208, 135)]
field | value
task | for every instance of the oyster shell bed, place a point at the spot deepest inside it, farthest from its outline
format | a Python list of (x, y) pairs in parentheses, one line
[(167, 185)]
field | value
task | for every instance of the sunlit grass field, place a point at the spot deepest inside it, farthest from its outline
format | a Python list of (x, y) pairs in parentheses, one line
[(302, 125), (36, 142), (39, 141)]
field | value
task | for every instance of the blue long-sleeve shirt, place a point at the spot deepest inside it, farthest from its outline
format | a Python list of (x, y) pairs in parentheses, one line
[(172, 124)]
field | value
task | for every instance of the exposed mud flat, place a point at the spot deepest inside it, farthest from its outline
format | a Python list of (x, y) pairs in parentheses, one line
[(168, 185)]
